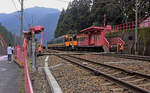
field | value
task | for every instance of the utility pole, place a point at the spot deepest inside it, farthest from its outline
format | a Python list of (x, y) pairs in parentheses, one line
[(136, 27), (33, 52), (104, 20), (32, 21), (21, 21)]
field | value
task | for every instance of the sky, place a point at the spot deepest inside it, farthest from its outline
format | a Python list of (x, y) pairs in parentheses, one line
[(9, 6)]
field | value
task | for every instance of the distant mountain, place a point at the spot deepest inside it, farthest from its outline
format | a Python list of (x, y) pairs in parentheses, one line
[(47, 17)]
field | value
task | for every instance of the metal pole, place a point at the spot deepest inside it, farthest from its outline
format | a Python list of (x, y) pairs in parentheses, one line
[(33, 52), (136, 27), (21, 21), (32, 21), (104, 20)]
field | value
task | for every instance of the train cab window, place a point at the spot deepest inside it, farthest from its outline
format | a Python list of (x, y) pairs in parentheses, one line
[(74, 38), (66, 39), (70, 39)]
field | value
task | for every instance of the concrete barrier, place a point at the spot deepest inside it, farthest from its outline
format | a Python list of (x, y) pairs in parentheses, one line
[(55, 88)]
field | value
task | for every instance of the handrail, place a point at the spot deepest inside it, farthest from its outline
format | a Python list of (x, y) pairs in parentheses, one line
[(131, 25), (106, 43)]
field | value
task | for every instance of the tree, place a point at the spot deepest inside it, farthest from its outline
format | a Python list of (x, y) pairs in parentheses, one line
[(7, 35), (74, 18), (81, 14)]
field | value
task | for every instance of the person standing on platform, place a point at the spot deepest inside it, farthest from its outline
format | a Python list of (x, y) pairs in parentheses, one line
[(9, 52), (39, 49), (121, 48)]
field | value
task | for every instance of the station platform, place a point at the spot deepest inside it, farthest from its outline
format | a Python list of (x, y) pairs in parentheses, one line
[(10, 76)]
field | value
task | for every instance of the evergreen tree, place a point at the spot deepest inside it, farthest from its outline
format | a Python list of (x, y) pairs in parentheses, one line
[(81, 14), (75, 18)]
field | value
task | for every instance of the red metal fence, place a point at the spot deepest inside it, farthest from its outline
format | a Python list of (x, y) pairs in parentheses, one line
[(131, 25), (21, 59)]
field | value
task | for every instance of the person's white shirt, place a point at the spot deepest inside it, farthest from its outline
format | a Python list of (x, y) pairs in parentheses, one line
[(9, 50)]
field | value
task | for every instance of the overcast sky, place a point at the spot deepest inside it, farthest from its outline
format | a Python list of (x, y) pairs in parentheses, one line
[(9, 6)]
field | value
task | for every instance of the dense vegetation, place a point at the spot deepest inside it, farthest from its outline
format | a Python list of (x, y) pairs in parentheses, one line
[(81, 14), (8, 36)]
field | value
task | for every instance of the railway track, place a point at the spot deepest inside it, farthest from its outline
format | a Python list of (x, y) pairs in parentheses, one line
[(135, 57), (127, 56), (138, 82)]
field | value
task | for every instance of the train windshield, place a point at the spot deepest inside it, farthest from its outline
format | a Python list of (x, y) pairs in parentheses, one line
[(74, 38)]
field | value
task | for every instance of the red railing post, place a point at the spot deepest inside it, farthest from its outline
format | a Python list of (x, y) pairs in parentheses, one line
[(123, 27), (133, 25), (144, 24), (129, 26), (120, 27), (148, 22)]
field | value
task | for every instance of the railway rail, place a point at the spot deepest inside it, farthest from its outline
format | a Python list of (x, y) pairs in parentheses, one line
[(138, 82), (127, 56), (135, 57)]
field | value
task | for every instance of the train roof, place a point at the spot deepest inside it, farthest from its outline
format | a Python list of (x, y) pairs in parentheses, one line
[(58, 38)]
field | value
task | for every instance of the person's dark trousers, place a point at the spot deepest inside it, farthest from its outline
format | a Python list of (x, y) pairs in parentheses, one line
[(9, 57), (121, 51)]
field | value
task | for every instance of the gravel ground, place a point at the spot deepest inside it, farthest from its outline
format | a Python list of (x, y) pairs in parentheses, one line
[(38, 78), (133, 65), (74, 79)]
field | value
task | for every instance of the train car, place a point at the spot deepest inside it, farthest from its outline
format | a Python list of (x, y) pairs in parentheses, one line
[(72, 41), (92, 38), (67, 42), (57, 43)]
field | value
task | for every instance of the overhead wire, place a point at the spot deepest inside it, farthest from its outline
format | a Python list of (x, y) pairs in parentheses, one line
[(14, 4), (18, 11), (25, 19), (65, 1)]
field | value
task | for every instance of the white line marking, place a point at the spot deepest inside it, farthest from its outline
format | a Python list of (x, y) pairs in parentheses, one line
[(46, 59), (55, 88)]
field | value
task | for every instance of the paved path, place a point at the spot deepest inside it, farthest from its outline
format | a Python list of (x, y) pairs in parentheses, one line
[(10, 76)]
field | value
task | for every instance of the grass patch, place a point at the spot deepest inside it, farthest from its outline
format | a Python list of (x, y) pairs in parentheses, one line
[(22, 87), (29, 61)]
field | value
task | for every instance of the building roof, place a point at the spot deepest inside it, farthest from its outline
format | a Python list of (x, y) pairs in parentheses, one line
[(93, 28), (37, 29)]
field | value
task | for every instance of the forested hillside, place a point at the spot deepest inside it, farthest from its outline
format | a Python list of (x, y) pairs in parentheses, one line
[(81, 14), (47, 17), (7, 35)]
